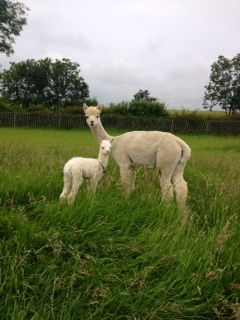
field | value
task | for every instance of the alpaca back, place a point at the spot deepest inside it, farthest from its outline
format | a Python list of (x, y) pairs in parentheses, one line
[(149, 148), (87, 166), (90, 166)]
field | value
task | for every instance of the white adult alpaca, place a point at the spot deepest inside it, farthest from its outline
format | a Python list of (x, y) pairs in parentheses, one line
[(151, 149), (77, 169)]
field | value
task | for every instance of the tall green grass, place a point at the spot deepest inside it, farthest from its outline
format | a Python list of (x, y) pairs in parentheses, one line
[(110, 257)]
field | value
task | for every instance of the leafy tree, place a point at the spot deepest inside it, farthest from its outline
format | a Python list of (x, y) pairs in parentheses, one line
[(147, 109), (119, 108), (12, 19), (144, 105), (43, 82), (143, 95), (224, 86), (138, 108)]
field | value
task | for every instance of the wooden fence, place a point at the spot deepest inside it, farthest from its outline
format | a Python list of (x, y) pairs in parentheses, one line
[(184, 126)]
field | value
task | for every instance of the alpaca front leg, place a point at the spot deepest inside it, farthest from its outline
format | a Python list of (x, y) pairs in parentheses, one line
[(92, 185), (128, 176)]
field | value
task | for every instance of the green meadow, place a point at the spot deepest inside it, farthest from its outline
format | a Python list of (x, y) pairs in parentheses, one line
[(112, 257)]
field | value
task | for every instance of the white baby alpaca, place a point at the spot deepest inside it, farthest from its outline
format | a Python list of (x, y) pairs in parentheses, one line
[(77, 169)]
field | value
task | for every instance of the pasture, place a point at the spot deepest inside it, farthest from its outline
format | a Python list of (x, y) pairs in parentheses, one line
[(109, 257)]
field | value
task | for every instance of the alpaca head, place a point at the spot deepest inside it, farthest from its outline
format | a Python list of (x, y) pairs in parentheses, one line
[(92, 114), (105, 146)]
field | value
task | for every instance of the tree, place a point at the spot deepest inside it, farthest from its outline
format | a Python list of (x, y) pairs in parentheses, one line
[(43, 82), (144, 95), (224, 86), (12, 19), (143, 105), (147, 109), (64, 83)]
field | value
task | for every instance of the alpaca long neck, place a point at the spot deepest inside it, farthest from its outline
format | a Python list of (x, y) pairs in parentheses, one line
[(103, 159), (99, 131)]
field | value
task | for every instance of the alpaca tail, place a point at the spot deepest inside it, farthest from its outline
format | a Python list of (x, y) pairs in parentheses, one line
[(186, 151)]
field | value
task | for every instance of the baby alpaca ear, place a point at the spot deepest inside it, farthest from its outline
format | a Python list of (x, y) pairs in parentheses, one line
[(99, 140), (85, 107)]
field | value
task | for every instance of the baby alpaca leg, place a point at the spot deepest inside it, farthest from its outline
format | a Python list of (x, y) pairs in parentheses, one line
[(77, 181), (92, 184), (67, 186)]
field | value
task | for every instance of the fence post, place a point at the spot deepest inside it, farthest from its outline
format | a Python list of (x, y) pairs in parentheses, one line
[(14, 119), (59, 121), (207, 127)]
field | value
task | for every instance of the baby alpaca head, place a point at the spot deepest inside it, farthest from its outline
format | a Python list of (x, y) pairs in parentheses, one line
[(105, 146), (92, 114)]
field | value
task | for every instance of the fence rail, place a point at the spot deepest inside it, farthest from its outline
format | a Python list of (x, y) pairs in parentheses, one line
[(184, 126)]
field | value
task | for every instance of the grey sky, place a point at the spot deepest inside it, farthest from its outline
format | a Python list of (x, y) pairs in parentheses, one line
[(122, 46)]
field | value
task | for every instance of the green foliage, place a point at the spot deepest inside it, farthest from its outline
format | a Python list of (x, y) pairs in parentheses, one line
[(79, 103), (143, 105), (3, 105), (137, 108), (43, 81), (110, 257), (12, 19), (118, 108), (147, 109), (224, 86)]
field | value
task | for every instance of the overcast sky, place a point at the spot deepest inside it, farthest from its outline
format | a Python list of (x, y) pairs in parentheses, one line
[(122, 46)]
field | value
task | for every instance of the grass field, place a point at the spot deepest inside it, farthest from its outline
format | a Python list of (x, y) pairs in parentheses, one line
[(110, 257)]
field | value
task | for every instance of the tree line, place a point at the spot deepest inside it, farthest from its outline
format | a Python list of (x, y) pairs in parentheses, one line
[(55, 84)]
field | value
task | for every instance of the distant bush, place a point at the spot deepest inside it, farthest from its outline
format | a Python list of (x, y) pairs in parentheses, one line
[(75, 110), (148, 109), (3, 106), (135, 108), (39, 108), (120, 109)]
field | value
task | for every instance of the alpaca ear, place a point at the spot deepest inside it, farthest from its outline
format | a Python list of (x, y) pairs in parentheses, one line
[(99, 107), (111, 140), (99, 140), (85, 107)]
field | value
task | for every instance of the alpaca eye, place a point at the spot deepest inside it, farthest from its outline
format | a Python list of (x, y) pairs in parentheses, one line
[(102, 147), (87, 117), (97, 117)]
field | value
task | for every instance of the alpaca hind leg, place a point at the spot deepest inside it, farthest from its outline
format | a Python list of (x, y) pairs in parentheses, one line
[(166, 186), (77, 181), (67, 186), (128, 177), (179, 184)]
